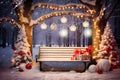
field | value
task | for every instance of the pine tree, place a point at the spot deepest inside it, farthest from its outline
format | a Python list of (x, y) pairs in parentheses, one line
[(108, 48), (22, 57)]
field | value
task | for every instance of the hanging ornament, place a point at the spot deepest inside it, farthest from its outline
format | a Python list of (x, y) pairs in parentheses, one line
[(43, 26), (107, 49), (72, 28), (64, 19), (63, 33), (87, 32), (21, 53), (85, 24), (113, 44), (53, 26)]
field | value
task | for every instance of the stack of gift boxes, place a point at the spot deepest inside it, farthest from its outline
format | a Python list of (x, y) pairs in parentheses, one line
[(79, 54)]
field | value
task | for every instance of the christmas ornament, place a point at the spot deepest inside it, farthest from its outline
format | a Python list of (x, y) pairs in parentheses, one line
[(53, 26), (14, 48), (21, 56), (103, 64), (92, 68), (28, 66), (21, 70), (43, 26), (107, 49), (99, 71), (21, 53), (64, 19)]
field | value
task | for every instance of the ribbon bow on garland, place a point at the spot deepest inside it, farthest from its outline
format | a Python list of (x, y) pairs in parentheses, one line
[(78, 52)]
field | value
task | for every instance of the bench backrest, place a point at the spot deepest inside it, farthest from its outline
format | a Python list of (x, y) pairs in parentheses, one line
[(56, 53)]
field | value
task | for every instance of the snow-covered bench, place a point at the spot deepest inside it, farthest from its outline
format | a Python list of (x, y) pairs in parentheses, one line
[(59, 54)]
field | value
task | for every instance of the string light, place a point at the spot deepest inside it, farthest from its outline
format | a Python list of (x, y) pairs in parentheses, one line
[(11, 21)]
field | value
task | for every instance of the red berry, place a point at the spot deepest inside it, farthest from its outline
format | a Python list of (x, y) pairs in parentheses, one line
[(28, 66)]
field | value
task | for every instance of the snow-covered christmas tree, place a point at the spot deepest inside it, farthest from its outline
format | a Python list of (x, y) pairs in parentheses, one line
[(21, 59), (108, 48)]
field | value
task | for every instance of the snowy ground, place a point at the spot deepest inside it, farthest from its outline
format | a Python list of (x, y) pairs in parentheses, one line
[(9, 74)]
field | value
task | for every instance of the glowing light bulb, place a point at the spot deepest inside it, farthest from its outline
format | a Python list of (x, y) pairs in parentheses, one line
[(64, 19), (87, 32), (85, 24), (63, 33), (43, 26)]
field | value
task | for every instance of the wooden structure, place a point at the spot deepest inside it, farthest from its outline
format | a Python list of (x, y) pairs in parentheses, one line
[(58, 54)]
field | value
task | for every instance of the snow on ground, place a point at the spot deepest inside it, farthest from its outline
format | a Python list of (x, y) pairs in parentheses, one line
[(7, 73)]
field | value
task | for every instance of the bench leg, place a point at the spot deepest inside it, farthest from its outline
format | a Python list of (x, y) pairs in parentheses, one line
[(40, 63), (85, 63)]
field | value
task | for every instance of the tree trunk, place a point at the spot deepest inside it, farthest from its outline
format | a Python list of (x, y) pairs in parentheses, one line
[(28, 31)]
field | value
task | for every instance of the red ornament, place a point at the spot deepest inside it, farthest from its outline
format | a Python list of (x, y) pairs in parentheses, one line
[(21, 53), (99, 71), (107, 49), (113, 44), (28, 66), (21, 70), (28, 53), (114, 55), (111, 68), (14, 48)]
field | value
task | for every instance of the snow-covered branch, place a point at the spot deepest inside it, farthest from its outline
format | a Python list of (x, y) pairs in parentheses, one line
[(54, 14), (11, 21)]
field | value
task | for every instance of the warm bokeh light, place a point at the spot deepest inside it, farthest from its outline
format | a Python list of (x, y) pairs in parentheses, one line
[(87, 32), (64, 19), (72, 28), (53, 26), (43, 26), (85, 24), (63, 32)]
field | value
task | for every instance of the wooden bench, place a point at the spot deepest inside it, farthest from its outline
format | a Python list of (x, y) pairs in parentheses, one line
[(59, 54)]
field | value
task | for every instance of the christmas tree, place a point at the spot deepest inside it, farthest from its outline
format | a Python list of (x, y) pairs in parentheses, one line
[(108, 48), (21, 58)]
